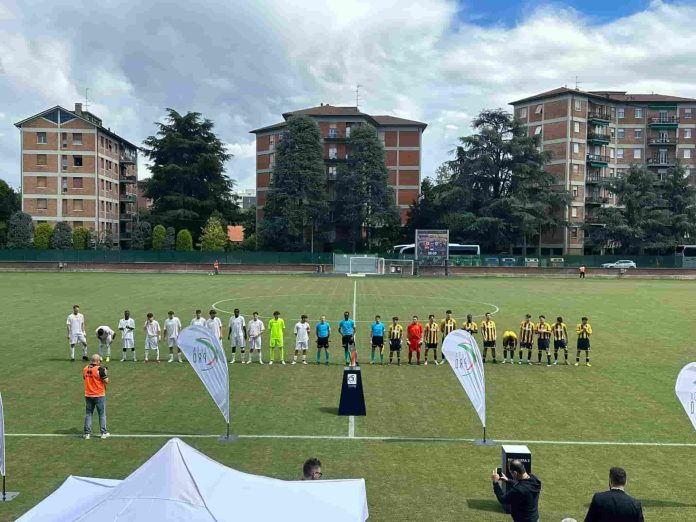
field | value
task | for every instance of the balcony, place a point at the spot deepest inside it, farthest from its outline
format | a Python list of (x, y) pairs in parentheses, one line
[(335, 136), (597, 160), (598, 118), (126, 217), (125, 236), (127, 198), (126, 157), (597, 137), (594, 220), (595, 200), (128, 179), (661, 161), (664, 122), (663, 141), (593, 179)]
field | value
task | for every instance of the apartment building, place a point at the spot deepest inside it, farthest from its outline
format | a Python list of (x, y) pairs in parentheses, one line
[(592, 135), (76, 170), (402, 151)]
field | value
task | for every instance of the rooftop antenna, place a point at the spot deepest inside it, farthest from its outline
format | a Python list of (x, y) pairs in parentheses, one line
[(577, 83), (357, 96), (87, 99)]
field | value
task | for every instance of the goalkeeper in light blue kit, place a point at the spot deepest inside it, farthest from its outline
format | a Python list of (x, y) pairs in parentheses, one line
[(377, 339)]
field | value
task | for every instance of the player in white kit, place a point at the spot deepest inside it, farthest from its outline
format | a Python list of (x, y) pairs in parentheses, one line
[(238, 333), (301, 339), (76, 332), (152, 336), (172, 327), (214, 325), (105, 336), (199, 320), (255, 328), (127, 328)]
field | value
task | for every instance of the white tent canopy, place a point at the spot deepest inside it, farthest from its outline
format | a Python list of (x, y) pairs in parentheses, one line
[(180, 483)]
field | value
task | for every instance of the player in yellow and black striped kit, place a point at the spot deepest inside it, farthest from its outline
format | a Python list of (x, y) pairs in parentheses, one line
[(488, 332), (509, 345), (543, 330), (584, 331), (527, 328), (447, 325), (431, 336), (396, 335), (560, 339)]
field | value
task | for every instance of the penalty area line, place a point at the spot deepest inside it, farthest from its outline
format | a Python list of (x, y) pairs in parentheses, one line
[(359, 437)]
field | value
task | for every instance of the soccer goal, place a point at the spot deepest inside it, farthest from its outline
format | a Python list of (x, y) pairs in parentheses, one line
[(364, 265), (399, 267)]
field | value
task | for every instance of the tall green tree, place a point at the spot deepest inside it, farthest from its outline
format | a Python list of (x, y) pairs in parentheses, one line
[(142, 236), (680, 196), (62, 237), (214, 237), (159, 234), (10, 201), (170, 239), (296, 202), (20, 229), (42, 236), (81, 238), (184, 241), (188, 180)]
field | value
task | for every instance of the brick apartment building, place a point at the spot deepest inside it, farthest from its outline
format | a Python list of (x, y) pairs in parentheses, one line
[(597, 134), (402, 151), (76, 170)]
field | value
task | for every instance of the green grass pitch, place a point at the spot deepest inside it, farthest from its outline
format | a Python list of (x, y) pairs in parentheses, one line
[(643, 336)]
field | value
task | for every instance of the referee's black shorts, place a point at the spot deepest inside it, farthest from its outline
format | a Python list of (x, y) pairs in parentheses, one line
[(347, 340), (322, 342), (377, 341)]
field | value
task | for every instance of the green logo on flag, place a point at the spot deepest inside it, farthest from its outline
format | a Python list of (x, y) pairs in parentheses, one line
[(467, 366), (212, 349)]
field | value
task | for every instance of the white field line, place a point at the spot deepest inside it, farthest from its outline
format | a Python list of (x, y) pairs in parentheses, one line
[(351, 427), (363, 438)]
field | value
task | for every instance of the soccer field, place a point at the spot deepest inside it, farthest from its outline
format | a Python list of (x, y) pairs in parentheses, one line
[(413, 448)]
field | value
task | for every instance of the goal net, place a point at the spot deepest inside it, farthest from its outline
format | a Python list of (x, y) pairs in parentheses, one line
[(365, 265), (399, 267)]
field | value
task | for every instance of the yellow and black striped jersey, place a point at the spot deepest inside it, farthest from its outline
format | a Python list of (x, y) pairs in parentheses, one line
[(488, 330), (543, 330), (560, 332), (431, 333), (583, 330), (527, 329), (472, 328), (447, 326), (396, 331), (510, 339)]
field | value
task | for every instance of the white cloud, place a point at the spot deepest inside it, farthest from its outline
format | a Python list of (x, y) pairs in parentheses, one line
[(242, 64)]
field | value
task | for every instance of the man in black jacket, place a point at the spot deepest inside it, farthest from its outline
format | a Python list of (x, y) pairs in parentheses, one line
[(614, 505), (522, 493)]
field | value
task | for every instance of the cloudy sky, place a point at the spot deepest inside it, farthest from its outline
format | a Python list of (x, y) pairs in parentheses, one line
[(243, 63)]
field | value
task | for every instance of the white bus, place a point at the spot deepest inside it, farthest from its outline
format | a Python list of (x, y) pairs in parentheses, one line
[(455, 249), (687, 253)]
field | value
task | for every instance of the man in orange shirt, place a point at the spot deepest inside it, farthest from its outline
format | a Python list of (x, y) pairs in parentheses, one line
[(415, 337), (96, 379)]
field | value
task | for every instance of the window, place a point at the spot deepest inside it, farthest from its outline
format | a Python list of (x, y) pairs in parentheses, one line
[(77, 205), (109, 144), (611, 152), (687, 113), (64, 162), (575, 192), (576, 148), (576, 126), (77, 138), (574, 212), (637, 153), (576, 169), (77, 183), (687, 153), (620, 133), (537, 131), (41, 181), (77, 161), (687, 133), (41, 138), (332, 153), (101, 140), (638, 134), (620, 113), (612, 173), (574, 232), (619, 153), (332, 172), (42, 204), (687, 173), (639, 113), (101, 161), (64, 184), (41, 160), (538, 109), (578, 105), (523, 113)]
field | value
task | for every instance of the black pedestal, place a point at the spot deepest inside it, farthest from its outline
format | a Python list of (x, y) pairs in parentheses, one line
[(510, 453), (352, 397)]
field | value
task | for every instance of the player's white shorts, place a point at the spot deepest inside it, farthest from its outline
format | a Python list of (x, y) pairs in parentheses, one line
[(78, 338), (128, 343), (301, 345), (238, 341), (106, 343), (172, 342), (255, 343), (151, 343)]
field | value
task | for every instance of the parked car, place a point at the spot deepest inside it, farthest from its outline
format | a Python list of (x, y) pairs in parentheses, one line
[(621, 263)]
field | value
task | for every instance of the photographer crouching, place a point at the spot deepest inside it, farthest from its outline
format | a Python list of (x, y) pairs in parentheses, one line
[(96, 379), (522, 492)]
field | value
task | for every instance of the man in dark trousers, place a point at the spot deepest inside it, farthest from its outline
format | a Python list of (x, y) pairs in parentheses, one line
[(522, 493), (615, 505)]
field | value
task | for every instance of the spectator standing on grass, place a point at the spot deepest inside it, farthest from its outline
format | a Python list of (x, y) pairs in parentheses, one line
[(311, 470), (615, 505), (522, 493), (95, 378), (581, 270)]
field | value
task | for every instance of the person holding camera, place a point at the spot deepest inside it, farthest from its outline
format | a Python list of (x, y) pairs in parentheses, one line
[(522, 493), (95, 378)]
